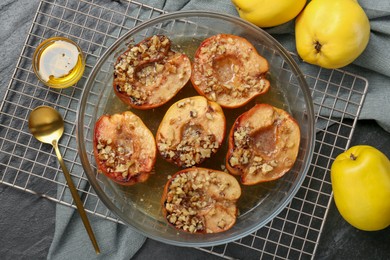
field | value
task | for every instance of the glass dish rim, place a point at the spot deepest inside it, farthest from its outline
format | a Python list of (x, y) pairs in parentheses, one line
[(183, 15)]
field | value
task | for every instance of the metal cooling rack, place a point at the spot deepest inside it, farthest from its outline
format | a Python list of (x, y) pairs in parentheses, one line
[(95, 24)]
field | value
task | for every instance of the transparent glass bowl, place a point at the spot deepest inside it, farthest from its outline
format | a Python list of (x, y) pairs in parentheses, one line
[(139, 206)]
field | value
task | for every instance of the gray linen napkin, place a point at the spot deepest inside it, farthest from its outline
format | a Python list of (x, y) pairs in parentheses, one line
[(119, 242)]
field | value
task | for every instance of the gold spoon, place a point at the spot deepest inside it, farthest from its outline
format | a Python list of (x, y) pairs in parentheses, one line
[(47, 125)]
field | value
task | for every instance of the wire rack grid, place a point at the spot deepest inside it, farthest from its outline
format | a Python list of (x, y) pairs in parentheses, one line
[(31, 166)]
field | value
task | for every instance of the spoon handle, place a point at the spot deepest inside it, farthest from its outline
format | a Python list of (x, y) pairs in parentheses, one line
[(76, 198)]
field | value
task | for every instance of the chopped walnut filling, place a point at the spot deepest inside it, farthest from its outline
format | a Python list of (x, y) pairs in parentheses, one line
[(193, 148), (184, 199), (116, 158), (192, 130), (188, 201), (230, 78), (242, 155), (259, 165), (138, 68)]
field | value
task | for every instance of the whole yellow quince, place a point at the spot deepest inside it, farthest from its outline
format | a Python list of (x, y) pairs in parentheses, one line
[(268, 13), (331, 33), (361, 187)]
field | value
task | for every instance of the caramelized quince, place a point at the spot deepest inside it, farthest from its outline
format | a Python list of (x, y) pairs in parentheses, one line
[(150, 73), (227, 69), (200, 200), (263, 144), (191, 131), (124, 148)]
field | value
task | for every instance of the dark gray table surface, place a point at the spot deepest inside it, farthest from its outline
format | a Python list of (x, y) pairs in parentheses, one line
[(27, 221)]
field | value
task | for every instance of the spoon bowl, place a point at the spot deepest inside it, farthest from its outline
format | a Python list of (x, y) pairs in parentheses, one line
[(46, 125)]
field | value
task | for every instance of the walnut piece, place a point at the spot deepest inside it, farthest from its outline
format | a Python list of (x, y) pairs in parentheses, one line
[(200, 200)]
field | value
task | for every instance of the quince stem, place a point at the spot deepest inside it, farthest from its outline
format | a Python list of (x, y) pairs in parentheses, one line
[(317, 46)]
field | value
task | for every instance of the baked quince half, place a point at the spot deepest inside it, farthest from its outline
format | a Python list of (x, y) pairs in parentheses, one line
[(191, 130), (228, 69), (201, 200), (124, 148), (149, 74), (263, 144)]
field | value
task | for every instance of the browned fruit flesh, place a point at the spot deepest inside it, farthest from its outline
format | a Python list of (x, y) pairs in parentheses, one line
[(263, 144), (228, 69), (124, 148), (200, 200), (191, 131), (150, 73)]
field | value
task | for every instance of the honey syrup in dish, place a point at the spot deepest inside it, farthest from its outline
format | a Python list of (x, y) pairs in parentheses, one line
[(146, 196), (59, 62)]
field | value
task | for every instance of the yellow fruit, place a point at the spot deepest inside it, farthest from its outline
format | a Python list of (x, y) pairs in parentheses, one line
[(361, 187), (268, 13), (331, 33)]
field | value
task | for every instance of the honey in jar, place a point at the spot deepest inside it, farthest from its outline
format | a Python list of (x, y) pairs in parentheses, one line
[(58, 62)]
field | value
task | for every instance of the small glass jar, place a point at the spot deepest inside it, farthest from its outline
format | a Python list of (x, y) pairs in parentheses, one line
[(58, 62)]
